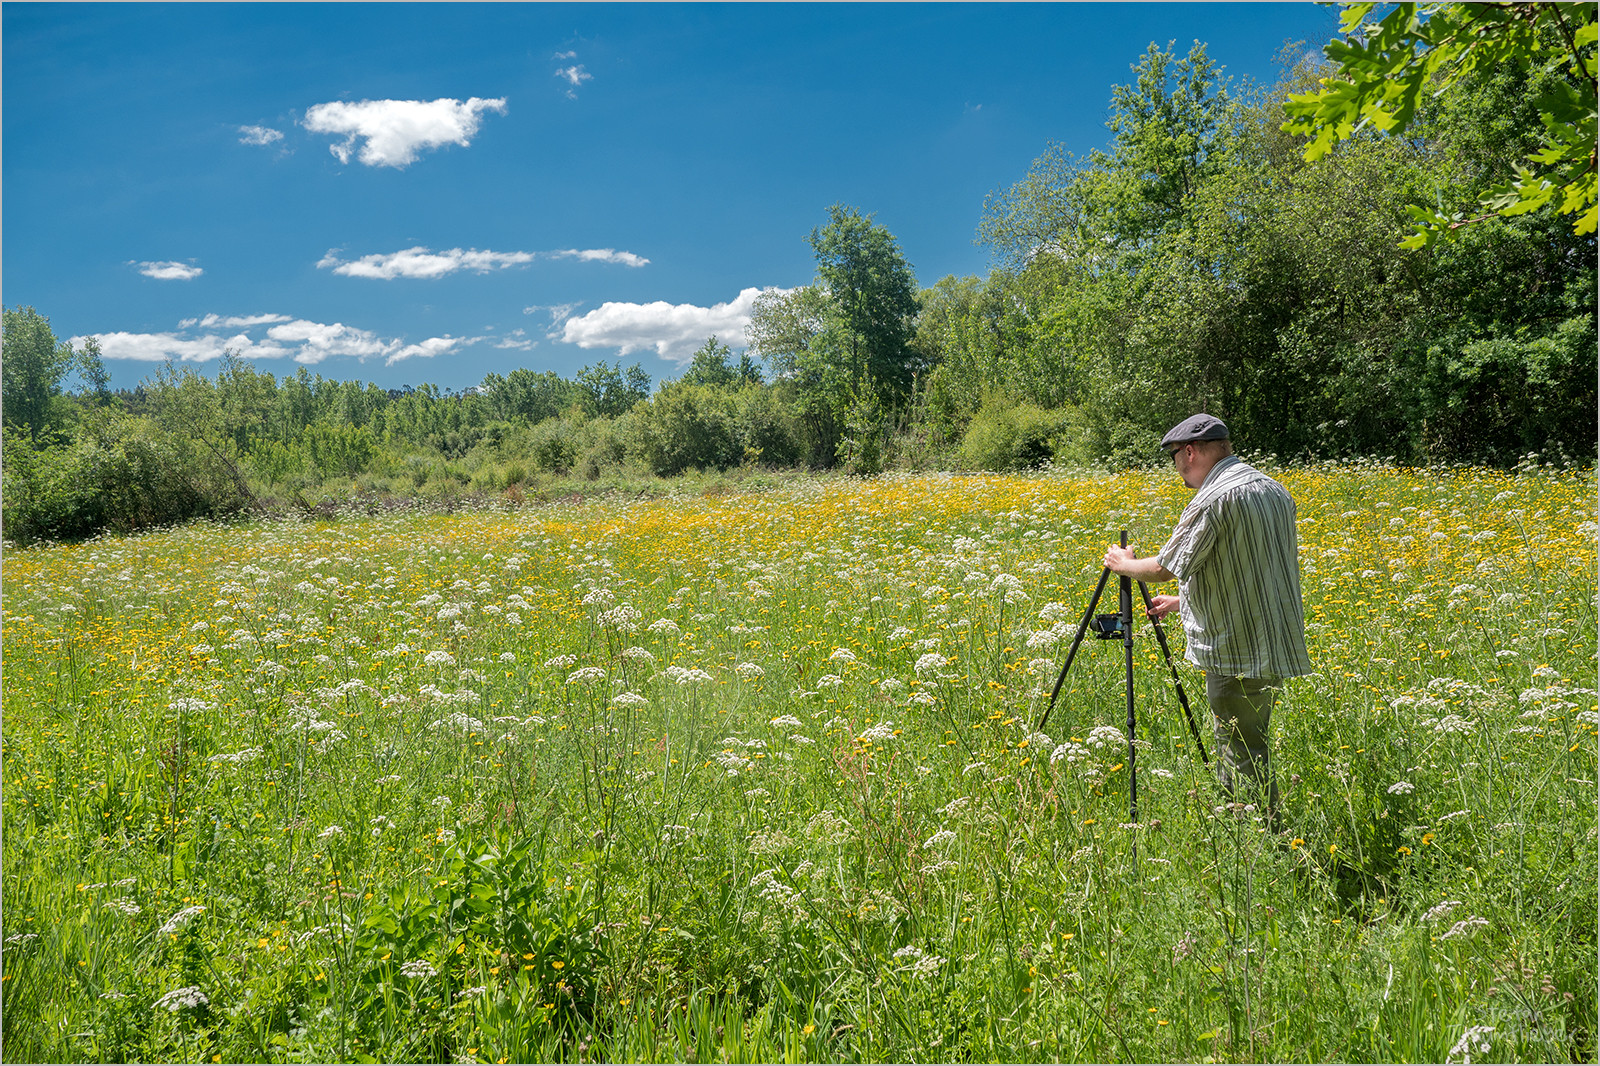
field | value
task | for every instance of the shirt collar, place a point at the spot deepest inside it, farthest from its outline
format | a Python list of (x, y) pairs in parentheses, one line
[(1222, 464)]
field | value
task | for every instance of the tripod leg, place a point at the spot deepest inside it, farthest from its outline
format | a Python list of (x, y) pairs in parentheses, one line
[(1183, 700), (1125, 602), (1083, 627)]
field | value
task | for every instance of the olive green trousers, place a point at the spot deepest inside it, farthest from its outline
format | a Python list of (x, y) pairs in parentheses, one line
[(1241, 709)]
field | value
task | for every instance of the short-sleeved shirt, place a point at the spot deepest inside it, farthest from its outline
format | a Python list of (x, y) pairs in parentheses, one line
[(1235, 554)]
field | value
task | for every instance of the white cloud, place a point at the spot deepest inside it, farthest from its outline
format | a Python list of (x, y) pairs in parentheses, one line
[(420, 262), (601, 255), (394, 130), (517, 339), (231, 321), (558, 312), (674, 331), (574, 76), (159, 347), (565, 55), (319, 341), (423, 263), (169, 271), (261, 135), (201, 340), (427, 349)]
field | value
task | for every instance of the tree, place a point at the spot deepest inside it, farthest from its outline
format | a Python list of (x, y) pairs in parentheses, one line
[(33, 364), (1169, 136), (609, 390), (1173, 129), (710, 366), (1386, 67), (873, 298)]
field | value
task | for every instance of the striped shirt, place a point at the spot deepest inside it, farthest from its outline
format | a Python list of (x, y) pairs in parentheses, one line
[(1236, 557)]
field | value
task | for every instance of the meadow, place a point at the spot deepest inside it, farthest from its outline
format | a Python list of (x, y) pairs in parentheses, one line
[(755, 776)]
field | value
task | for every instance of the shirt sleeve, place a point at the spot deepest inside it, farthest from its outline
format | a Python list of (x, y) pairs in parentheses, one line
[(1187, 550)]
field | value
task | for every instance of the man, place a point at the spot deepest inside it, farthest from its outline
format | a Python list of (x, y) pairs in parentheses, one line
[(1235, 557)]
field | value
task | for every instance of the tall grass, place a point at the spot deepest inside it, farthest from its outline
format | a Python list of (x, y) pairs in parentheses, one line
[(754, 776)]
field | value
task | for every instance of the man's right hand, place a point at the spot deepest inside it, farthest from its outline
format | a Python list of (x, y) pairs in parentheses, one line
[(1161, 606)]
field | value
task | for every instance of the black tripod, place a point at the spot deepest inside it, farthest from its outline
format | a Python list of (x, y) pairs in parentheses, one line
[(1120, 626)]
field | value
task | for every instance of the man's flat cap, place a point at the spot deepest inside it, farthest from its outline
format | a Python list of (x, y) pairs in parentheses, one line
[(1194, 429)]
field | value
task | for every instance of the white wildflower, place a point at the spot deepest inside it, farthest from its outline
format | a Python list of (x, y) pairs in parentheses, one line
[(418, 968), (1465, 928), (180, 920), (1474, 1041), (1402, 788), (182, 999), (1440, 910), (879, 734)]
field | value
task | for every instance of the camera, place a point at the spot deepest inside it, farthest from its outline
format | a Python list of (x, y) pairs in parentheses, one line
[(1107, 626)]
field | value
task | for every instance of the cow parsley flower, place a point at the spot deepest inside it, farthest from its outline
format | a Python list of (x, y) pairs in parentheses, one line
[(186, 998), (180, 920)]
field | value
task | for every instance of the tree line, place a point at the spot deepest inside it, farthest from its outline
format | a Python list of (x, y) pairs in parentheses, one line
[(1328, 288)]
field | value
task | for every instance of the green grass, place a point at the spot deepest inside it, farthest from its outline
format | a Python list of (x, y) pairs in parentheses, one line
[(752, 776)]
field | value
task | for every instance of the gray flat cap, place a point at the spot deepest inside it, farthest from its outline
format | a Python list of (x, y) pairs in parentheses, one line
[(1194, 429)]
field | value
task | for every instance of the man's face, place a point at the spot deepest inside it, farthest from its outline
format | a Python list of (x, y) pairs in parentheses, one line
[(1183, 458)]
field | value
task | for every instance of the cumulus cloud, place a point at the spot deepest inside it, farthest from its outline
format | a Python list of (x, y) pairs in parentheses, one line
[(427, 349), (201, 340), (673, 331), (423, 263), (260, 135), (169, 271), (601, 255), (159, 347), (394, 130), (320, 340)]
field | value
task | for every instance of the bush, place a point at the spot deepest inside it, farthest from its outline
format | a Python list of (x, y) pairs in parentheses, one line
[(552, 445), (685, 426), (1003, 436), (763, 430), (121, 473)]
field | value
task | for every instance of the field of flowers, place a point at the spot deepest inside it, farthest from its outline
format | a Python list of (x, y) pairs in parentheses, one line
[(756, 777)]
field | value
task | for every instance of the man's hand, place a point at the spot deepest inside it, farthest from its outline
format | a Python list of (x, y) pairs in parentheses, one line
[(1161, 606), (1118, 559), (1122, 562)]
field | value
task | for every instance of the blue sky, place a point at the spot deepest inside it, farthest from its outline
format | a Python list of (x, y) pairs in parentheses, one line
[(430, 193)]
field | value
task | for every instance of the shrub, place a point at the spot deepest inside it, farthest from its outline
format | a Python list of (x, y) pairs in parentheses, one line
[(1003, 436), (552, 445), (121, 473), (684, 426)]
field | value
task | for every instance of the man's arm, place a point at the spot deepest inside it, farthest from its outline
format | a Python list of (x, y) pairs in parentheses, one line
[(1122, 562)]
